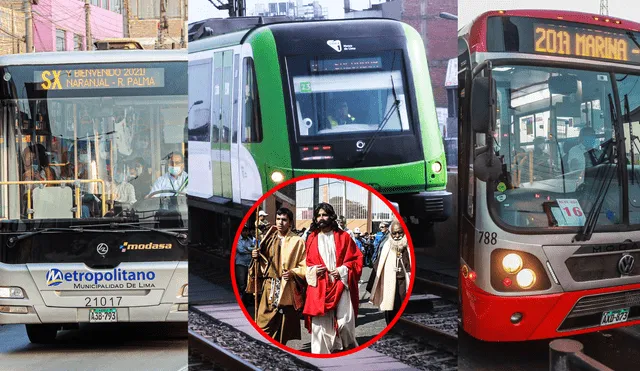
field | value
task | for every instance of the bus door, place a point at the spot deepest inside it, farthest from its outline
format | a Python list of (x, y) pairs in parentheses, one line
[(199, 128)]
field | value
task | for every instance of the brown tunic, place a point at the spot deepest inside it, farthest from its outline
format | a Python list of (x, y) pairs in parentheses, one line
[(281, 322)]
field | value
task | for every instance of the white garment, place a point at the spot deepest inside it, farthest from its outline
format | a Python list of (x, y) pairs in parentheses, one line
[(324, 338), (125, 193), (384, 287), (168, 182), (577, 153)]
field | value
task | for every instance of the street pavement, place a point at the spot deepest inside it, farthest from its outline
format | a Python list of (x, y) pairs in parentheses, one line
[(147, 346)]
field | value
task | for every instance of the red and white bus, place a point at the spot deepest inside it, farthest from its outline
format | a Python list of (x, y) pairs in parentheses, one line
[(549, 172)]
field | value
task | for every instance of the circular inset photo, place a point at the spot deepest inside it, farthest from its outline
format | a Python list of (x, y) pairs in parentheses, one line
[(322, 265)]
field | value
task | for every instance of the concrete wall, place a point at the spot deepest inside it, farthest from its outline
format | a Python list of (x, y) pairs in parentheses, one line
[(9, 44)]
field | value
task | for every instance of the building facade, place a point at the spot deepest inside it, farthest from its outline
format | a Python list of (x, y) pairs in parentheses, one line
[(59, 25), (144, 20), (12, 28)]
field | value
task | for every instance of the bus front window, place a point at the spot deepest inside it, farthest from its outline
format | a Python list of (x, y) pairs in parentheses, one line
[(553, 130)]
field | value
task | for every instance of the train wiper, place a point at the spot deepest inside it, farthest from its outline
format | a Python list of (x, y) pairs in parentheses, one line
[(585, 233), (394, 107)]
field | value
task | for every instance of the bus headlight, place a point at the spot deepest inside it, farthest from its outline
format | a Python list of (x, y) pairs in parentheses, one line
[(185, 290), (526, 278), (277, 176), (512, 263), (436, 167), (11, 293)]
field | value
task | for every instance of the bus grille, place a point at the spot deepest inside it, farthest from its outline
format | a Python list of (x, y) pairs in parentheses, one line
[(588, 310), (598, 267)]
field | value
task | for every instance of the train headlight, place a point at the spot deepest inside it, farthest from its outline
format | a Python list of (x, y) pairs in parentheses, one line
[(436, 167), (277, 177), (512, 263), (11, 293), (526, 278)]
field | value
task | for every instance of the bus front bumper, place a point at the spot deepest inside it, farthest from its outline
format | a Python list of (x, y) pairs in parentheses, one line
[(157, 305), (489, 317)]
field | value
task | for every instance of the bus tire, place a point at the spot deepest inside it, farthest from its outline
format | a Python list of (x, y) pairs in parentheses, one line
[(42, 334)]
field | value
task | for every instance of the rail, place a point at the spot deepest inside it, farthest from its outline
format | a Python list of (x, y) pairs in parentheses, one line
[(217, 354), (440, 289), (566, 355), (59, 182), (447, 340)]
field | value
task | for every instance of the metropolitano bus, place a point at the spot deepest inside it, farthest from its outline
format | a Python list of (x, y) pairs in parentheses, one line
[(549, 208), (83, 136), (263, 102)]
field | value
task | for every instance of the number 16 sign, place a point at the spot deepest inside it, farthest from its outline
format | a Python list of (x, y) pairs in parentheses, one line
[(572, 212)]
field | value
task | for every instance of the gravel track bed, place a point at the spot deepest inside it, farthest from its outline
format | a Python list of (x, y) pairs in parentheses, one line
[(443, 316), (197, 362), (416, 353), (261, 355), (209, 265)]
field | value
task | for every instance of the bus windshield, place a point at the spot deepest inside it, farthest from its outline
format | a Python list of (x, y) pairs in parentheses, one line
[(555, 129), (86, 141), (349, 95)]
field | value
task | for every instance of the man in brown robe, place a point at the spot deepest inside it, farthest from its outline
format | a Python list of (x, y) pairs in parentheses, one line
[(281, 262)]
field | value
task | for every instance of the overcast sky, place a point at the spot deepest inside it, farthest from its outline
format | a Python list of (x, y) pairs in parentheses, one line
[(624, 9), (203, 9)]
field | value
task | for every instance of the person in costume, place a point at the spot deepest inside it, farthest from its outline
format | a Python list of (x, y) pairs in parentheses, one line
[(334, 267)]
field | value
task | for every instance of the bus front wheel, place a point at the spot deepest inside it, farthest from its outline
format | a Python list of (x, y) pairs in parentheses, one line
[(42, 334)]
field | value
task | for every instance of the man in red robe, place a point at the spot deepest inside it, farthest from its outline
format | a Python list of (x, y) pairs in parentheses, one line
[(334, 266)]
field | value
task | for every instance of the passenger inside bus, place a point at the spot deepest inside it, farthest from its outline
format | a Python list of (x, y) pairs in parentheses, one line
[(174, 181)]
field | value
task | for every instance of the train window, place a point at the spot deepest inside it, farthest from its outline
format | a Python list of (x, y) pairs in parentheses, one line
[(349, 95), (236, 73), (252, 121), (199, 114)]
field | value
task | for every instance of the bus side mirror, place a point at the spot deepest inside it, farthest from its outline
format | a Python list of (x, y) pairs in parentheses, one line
[(481, 104), (486, 165)]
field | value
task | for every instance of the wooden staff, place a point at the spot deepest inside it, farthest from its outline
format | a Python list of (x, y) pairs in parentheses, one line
[(256, 270)]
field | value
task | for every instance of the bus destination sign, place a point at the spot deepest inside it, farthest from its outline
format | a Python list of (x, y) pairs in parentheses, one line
[(99, 78), (585, 42)]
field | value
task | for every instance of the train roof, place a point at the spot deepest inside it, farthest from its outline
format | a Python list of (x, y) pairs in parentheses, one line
[(102, 56), (375, 27)]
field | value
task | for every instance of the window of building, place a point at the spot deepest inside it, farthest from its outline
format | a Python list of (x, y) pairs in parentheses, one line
[(78, 42), (116, 6), (95, 2), (61, 36), (148, 9)]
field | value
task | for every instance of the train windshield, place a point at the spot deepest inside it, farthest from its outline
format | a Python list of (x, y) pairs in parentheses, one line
[(555, 130), (94, 141), (349, 95)]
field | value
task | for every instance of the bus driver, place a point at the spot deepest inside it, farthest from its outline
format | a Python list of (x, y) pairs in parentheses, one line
[(176, 179)]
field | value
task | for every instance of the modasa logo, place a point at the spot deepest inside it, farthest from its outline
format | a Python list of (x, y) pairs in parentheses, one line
[(54, 277), (145, 246)]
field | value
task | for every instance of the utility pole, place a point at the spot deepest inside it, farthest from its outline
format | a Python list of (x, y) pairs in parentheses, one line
[(13, 31), (125, 18), (183, 12), (162, 24), (28, 25), (87, 26)]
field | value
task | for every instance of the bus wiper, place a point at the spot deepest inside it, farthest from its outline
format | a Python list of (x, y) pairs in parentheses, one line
[(11, 242), (395, 106), (585, 233), (181, 237), (633, 38)]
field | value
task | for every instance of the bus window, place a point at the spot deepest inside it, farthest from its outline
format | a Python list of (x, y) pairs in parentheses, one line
[(629, 90), (252, 121), (553, 150)]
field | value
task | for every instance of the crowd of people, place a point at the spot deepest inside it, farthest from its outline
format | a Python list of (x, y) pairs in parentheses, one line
[(314, 274)]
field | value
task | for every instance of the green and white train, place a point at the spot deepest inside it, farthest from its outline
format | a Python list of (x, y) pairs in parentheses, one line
[(281, 100)]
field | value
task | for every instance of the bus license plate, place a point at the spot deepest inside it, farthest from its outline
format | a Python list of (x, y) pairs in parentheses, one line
[(103, 315), (614, 316)]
